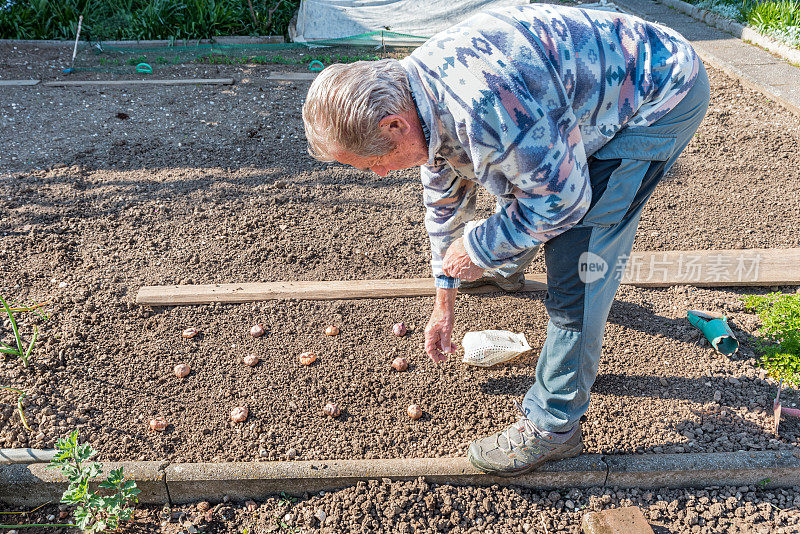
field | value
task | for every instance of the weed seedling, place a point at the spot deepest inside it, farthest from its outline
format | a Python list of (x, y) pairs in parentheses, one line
[(94, 512), (20, 395), (20, 351)]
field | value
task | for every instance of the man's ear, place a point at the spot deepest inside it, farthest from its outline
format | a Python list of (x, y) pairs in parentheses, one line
[(394, 124)]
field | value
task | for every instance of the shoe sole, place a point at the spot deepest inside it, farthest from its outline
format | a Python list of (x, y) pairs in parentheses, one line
[(571, 453)]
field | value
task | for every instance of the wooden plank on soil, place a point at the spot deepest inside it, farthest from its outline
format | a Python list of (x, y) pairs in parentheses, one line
[(312, 290), (712, 268), (152, 81), (705, 268), (16, 83)]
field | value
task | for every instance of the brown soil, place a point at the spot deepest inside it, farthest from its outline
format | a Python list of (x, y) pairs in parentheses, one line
[(404, 507), (104, 190)]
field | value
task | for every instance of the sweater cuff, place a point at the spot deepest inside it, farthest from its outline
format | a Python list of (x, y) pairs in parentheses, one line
[(475, 252), (446, 282)]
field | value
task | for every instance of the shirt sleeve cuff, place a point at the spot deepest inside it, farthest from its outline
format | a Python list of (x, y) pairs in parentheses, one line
[(446, 282)]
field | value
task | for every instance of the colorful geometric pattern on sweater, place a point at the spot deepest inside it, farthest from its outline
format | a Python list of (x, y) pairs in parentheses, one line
[(516, 100)]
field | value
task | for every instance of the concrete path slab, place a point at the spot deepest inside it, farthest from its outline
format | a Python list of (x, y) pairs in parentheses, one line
[(755, 67)]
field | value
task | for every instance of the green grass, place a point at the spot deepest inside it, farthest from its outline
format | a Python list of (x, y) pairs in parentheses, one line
[(143, 19), (780, 20), (780, 342)]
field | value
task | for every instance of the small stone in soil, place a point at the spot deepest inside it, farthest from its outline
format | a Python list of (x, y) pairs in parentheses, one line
[(291, 453), (182, 370), (414, 412), (251, 360), (399, 329)]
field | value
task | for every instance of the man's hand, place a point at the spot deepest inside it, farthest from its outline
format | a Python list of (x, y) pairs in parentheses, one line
[(440, 326), (457, 264)]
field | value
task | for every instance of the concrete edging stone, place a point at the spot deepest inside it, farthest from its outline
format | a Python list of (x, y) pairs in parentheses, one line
[(36, 484), (161, 482)]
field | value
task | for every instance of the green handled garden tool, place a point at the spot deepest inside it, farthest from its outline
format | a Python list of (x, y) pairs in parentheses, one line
[(716, 329)]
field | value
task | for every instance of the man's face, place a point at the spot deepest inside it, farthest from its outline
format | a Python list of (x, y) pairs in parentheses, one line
[(395, 160), (409, 149)]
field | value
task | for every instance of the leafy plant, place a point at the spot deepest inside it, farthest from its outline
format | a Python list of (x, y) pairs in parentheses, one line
[(777, 18), (780, 19), (143, 19), (780, 318), (94, 512), (20, 349)]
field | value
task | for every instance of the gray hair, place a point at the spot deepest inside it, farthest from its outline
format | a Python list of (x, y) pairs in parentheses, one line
[(345, 103)]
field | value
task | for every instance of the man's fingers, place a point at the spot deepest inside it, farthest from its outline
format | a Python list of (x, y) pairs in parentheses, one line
[(444, 335), (431, 342)]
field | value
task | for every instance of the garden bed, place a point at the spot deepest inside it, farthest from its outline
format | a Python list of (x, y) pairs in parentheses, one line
[(103, 190), (418, 506)]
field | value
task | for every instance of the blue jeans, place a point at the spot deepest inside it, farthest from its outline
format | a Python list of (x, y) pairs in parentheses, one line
[(585, 264)]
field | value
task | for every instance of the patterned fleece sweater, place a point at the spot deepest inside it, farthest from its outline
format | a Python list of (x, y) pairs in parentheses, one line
[(516, 99)]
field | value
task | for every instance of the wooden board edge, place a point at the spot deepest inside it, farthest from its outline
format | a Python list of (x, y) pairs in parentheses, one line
[(190, 81), (18, 83)]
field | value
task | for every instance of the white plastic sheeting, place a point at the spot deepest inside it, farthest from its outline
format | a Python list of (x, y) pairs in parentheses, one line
[(336, 19)]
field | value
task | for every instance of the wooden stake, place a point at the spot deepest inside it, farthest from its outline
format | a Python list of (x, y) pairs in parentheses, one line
[(290, 77), (18, 82), (707, 268)]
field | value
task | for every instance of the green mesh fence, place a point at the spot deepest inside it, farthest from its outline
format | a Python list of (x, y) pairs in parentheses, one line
[(105, 57)]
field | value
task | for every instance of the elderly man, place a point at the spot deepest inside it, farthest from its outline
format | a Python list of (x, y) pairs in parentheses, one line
[(569, 117)]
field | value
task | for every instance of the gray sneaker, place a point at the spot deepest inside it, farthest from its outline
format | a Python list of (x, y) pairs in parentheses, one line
[(521, 448), (513, 283)]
